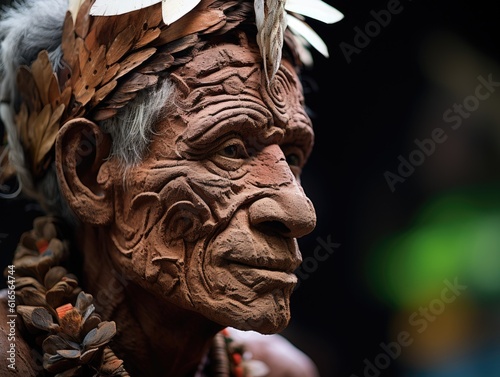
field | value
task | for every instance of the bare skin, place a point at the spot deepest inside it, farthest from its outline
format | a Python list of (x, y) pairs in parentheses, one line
[(203, 233)]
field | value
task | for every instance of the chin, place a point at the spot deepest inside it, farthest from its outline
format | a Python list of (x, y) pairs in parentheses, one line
[(267, 317), (245, 309)]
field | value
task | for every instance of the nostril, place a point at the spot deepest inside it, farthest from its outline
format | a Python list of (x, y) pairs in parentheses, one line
[(289, 214), (274, 226)]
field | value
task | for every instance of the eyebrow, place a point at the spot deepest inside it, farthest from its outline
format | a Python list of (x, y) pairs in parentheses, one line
[(242, 114), (252, 131)]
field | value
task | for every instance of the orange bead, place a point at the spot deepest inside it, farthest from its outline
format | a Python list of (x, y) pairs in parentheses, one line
[(237, 358), (62, 310)]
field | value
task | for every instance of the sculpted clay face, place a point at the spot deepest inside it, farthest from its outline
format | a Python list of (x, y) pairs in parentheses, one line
[(209, 219), (164, 140)]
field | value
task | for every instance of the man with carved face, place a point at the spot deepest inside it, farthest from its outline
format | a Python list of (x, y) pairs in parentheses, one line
[(178, 168), (217, 203)]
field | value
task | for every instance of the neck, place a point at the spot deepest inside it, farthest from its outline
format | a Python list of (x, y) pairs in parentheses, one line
[(154, 337)]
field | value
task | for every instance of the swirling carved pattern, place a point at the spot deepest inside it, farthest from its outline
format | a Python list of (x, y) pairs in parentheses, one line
[(281, 97)]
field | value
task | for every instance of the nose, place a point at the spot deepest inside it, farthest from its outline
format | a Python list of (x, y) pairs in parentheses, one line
[(287, 211)]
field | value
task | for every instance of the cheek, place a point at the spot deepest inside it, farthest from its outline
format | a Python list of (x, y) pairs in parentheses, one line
[(187, 215), (186, 219), (155, 218)]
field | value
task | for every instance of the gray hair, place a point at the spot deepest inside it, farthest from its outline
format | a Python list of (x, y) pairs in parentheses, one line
[(27, 28)]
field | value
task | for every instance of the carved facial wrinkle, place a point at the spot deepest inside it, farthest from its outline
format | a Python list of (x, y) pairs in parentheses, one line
[(218, 205)]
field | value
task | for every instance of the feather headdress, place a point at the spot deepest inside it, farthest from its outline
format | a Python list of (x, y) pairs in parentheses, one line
[(271, 19), (107, 61)]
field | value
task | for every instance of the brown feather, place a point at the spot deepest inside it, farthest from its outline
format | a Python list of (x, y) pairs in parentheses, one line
[(103, 114), (28, 89), (36, 135), (93, 71), (49, 136), (147, 38), (160, 62), (134, 60), (121, 45), (199, 20), (103, 92), (147, 22), (150, 17), (120, 99), (42, 72), (83, 57), (53, 93), (214, 28), (181, 44), (84, 96), (66, 96), (128, 90), (82, 23), (120, 24), (104, 28), (22, 123), (92, 40), (138, 82), (110, 73), (68, 41)]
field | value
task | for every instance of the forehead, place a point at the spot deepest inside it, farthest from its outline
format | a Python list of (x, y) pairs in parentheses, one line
[(225, 86)]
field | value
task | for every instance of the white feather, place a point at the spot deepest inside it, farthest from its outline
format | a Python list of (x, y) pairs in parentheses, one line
[(114, 7), (300, 28), (305, 55), (174, 9), (315, 9)]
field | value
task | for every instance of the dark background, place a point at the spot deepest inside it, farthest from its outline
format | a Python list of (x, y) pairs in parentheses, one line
[(367, 113)]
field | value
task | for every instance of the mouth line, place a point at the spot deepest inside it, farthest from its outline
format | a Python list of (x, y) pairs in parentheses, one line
[(260, 278)]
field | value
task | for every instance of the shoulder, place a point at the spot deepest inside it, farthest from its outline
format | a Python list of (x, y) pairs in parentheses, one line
[(279, 354), (19, 361)]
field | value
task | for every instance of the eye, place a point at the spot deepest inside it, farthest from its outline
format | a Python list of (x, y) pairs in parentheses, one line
[(293, 159), (234, 150), (231, 155), (294, 155)]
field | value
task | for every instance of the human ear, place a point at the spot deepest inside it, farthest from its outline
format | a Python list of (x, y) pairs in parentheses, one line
[(83, 171)]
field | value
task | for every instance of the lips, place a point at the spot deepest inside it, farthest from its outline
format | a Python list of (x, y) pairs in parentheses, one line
[(262, 280), (276, 254), (263, 265)]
